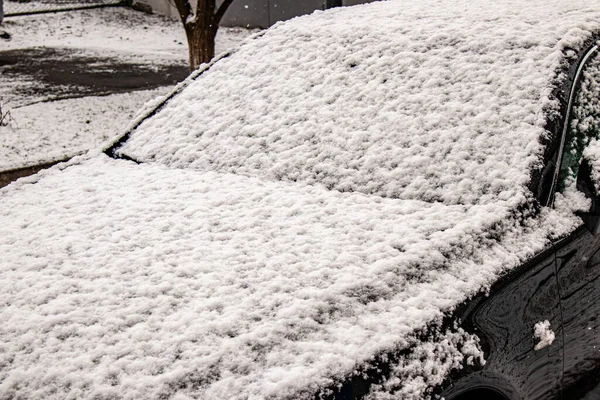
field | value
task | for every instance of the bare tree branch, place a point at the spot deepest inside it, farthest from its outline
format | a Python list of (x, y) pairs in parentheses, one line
[(221, 11), (185, 9)]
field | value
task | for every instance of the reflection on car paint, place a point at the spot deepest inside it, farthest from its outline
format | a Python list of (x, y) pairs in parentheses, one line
[(578, 263), (504, 321)]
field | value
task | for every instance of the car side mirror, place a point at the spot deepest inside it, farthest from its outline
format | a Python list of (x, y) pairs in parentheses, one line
[(586, 183)]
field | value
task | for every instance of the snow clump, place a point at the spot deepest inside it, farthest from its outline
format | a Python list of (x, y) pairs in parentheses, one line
[(546, 336)]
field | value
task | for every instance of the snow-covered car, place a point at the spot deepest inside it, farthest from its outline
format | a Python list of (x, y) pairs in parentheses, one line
[(393, 200)]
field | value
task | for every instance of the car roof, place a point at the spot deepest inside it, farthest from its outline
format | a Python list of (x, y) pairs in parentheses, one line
[(433, 101)]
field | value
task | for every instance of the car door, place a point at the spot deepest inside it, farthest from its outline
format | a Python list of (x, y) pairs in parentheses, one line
[(516, 367), (578, 263), (578, 256)]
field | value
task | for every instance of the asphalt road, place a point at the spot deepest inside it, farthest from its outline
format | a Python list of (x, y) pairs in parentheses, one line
[(43, 74)]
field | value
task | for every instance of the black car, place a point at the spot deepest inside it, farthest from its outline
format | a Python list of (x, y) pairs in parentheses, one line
[(393, 200)]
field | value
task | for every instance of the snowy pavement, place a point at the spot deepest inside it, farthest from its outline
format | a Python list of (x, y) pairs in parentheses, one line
[(73, 80)]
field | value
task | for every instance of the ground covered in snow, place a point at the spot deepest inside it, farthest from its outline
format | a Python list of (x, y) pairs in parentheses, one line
[(101, 65), (51, 131), (12, 7)]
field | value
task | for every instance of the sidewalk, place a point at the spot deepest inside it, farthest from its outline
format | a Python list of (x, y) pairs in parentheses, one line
[(73, 80)]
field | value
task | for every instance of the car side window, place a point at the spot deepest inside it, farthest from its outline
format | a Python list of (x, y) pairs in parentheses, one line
[(584, 123)]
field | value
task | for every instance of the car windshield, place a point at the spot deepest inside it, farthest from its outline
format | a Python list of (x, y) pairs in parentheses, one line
[(448, 111)]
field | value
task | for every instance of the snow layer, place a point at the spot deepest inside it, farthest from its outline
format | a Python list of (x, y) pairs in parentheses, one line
[(132, 281), (210, 282), (138, 281), (412, 100)]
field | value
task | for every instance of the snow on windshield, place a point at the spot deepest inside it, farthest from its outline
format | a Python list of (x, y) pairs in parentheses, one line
[(396, 99)]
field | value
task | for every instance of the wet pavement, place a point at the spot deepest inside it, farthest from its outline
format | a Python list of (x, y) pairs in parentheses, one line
[(50, 73)]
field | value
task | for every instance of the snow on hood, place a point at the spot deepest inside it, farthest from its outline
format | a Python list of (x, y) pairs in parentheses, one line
[(428, 100), (141, 280)]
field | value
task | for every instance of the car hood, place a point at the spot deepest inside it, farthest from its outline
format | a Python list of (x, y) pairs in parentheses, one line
[(145, 281)]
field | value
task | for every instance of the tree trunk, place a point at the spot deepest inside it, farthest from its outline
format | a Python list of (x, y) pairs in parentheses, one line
[(201, 45), (201, 27)]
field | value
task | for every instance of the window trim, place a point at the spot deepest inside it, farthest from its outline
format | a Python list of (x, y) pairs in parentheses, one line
[(567, 121)]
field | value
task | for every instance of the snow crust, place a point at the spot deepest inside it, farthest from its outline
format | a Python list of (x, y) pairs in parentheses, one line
[(139, 281), (411, 100)]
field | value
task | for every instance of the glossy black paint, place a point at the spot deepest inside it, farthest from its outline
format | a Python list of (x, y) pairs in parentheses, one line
[(578, 261), (504, 322), (561, 285)]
